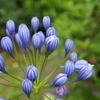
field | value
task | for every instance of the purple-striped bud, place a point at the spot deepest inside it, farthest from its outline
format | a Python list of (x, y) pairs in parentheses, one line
[(24, 35), (85, 73), (50, 31), (2, 66), (32, 73), (41, 34), (51, 43), (2, 99), (35, 23), (20, 44), (79, 64), (27, 87), (57, 99), (38, 41), (68, 46), (10, 29), (69, 68), (60, 80), (73, 57), (7, 45), (61, 91), (46, 22)]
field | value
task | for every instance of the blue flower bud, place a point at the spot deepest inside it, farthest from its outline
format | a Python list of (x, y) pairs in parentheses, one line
[(85, 73), (24, 35), (42, 37), (46, 22), (50, 31), (20, 44), (79, 64), (7, 45), (32, 73), (51, 44), (2, 99), (35, 23), (68, 46), (69, 68), (57, 99), (10, 29), (61, 91), (2, 66), (27, 87), (60, 80), (73, 57)]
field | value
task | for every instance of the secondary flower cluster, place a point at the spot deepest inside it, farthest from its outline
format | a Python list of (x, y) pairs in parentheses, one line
[(33, 73)]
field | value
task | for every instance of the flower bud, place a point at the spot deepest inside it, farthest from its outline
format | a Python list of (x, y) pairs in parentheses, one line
[(2, 66), (60, 80), (57, 99), (69, 68), (73, 57), (50, 31), (24, 35), (2, 99), (51, 44), (36, 42), (7, 45), (68, 46), (35, 23), (85, 73), (27, 87), (20, 44), (10, 29), (61, 91), (79, 64), (46, 22), (32, 73)]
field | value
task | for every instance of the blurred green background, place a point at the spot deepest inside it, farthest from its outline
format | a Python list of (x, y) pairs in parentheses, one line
[(78, 20)]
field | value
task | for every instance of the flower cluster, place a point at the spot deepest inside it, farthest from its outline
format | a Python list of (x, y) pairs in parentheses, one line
[(34, 70)]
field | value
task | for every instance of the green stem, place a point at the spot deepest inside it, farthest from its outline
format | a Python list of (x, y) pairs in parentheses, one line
[(51, 74), (45, 95), (19, 79), (20, 95), (15, 49), (9, 81), (43, 67), (47, 87), (10, 85)]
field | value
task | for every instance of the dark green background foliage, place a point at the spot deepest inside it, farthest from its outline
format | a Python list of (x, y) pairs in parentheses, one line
[(74, 19)]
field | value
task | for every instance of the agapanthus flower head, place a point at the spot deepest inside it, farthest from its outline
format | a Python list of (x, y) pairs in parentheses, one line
[(57, 99), (10, 29), (24, 35), (73, 57), (2, 99), (68, 46), (35, 23), (32, 73), (61, 91), (27, 87), (50, 31), (7, 45), (60, 80), (2, 66), (85, 73), (46, 22), (79, 64), (51, 43), (69, 68), (20, 44)]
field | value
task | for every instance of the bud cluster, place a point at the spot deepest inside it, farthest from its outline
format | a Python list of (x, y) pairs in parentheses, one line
[(32, 84)]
